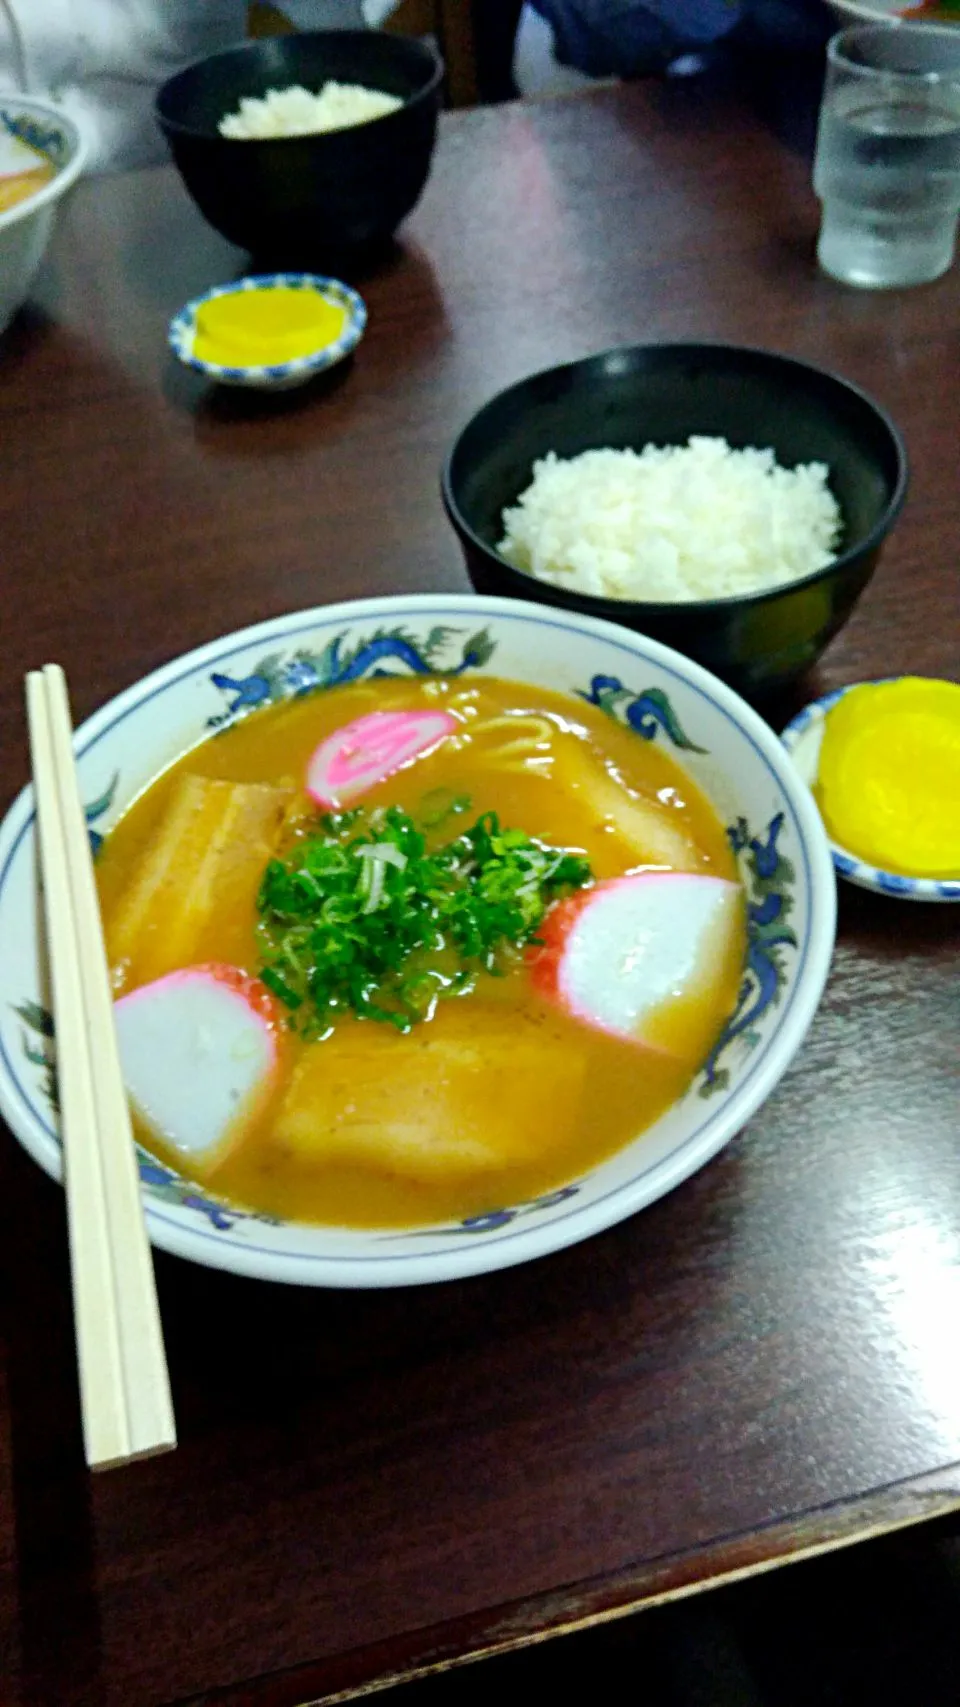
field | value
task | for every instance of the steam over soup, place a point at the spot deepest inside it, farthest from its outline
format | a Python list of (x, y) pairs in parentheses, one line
[(407, 950)]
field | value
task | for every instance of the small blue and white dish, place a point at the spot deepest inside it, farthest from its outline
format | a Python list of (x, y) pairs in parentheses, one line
[(802, 738), (279, 376)]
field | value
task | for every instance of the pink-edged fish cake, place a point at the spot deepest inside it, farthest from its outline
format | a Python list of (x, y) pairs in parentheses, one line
[(199, 1054), (355, 758), (622, 955)]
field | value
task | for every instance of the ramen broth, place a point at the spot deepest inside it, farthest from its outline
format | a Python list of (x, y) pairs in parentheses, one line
[(536, 1096), (16, 187)]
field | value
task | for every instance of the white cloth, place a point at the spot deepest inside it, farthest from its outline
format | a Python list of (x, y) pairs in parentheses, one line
[(103, 60), (536, 68)]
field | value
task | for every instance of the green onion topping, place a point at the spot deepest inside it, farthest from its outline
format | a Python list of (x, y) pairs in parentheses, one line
[(360, 916)]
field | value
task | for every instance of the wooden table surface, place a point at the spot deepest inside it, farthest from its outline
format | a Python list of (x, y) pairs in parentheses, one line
[(764, 1362)]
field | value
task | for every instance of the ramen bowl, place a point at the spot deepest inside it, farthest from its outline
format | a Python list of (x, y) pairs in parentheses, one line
[(658, 696), (32, 132)]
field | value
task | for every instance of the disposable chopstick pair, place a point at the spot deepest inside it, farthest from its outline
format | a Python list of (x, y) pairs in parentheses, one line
[(124, 1385)]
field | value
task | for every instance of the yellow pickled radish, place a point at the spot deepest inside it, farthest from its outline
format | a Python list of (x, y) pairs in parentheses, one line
[(261, 328), (889, 775)]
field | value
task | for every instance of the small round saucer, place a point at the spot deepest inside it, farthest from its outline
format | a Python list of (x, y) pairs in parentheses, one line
[(282, 376), (802, 740)]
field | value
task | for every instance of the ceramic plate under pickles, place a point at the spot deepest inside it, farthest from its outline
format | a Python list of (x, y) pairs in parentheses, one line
[(272, 375), (802, 739)]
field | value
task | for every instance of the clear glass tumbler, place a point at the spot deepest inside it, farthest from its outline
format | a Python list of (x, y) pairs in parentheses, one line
[(887, 166)]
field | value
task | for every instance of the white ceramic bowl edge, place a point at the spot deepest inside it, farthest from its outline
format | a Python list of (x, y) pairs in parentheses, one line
[(25, 229)]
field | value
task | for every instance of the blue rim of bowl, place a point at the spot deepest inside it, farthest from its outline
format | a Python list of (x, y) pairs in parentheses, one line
[(183, 327), (860, 871)]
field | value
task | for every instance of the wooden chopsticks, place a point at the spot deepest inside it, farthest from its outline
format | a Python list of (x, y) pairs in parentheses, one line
[(124, 1385)]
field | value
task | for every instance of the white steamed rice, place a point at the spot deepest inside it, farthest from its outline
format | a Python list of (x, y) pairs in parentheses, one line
[(674, 522), (297, 112)]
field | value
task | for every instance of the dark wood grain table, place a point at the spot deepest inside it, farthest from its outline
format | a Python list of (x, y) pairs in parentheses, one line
[(762, 1364)]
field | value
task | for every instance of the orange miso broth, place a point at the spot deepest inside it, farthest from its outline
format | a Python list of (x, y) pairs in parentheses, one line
[(16, 187), (352, 1130)]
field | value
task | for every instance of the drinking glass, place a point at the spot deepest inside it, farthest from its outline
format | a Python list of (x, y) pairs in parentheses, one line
[(887, 166)]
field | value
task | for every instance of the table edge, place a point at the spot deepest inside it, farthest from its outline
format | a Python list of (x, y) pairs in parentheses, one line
[(596, 1601)]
